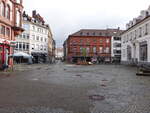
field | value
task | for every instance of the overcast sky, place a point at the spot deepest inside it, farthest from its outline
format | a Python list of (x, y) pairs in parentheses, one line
[(68, 16)]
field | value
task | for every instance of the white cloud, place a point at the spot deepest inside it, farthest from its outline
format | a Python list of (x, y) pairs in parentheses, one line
[(68, 16)]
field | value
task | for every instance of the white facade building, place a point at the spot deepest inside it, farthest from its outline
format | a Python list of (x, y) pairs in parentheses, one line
[(116, 48), (136, 41), (34, 40)]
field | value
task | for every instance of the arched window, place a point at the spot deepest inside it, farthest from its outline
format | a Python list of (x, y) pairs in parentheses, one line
[(3, 9), (18, 18), (8, 12)]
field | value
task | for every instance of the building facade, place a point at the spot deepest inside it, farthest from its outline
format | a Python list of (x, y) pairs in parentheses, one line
[(116, 48), (89, 44), (35, 40), (59, 53), (136, 40), (51, 47), (10, 27)]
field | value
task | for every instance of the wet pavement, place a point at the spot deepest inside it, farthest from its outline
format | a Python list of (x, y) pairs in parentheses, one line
[(66, 88)]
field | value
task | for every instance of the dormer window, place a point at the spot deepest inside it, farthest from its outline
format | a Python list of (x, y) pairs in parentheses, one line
[(18, 1)]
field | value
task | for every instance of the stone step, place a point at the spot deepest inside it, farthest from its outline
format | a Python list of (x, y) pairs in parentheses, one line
[(142, 74)]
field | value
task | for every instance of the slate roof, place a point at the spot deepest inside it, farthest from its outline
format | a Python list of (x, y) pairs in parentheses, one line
[(98, 32)]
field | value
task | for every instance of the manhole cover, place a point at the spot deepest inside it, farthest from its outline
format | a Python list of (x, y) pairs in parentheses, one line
[(96, 97), (103, 85)]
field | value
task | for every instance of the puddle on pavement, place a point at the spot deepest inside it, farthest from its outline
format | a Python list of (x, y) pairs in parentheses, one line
[(103, 85), (35, 79), (78, 75), (96, 97)]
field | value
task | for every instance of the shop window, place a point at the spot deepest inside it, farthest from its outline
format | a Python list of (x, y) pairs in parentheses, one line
[(3, 30), (129, 52), (8, 32), (143, 51), (8, 12)]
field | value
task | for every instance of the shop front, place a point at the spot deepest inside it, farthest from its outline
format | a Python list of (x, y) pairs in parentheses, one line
[(5, 53)]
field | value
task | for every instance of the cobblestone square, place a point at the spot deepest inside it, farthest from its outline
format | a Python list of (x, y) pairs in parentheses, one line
[(67, 88)]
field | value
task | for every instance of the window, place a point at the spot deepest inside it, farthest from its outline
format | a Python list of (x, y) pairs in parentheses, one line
[(143, 51), (117, 38), (8, 12), (146, 29), (45, 40), (129, 53), (33, 27), (24, 36), (33, 37), (94, 40), (18, 19), (3, 30), (26, 26), (41, 39), (37, 47), (8, 32), (107, 50), (94, 49), (100, 49), (3, 9), (87, 49), (24, 46), (107, 40), (20, 45), (18, 1), (135, 34), (28, 36), (140, 31), (33, 47), (37, 37), (101, 41), (41, 47), (27, 46)]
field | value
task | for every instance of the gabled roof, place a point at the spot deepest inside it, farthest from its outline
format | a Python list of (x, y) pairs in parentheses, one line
[(98, 32)]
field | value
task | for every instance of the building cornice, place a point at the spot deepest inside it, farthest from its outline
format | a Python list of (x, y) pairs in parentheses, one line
[(137, 24)]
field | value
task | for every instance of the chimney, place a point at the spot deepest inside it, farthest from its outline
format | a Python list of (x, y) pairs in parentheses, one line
[(33, 13)]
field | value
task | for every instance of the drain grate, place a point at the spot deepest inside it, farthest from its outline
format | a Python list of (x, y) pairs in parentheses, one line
[(96, 97)]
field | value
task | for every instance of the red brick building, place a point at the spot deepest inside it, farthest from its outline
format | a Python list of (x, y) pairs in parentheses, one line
[(10, 26), (89, 44)]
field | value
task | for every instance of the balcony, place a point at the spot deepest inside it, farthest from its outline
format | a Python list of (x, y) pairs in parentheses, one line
[(17, 30)]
